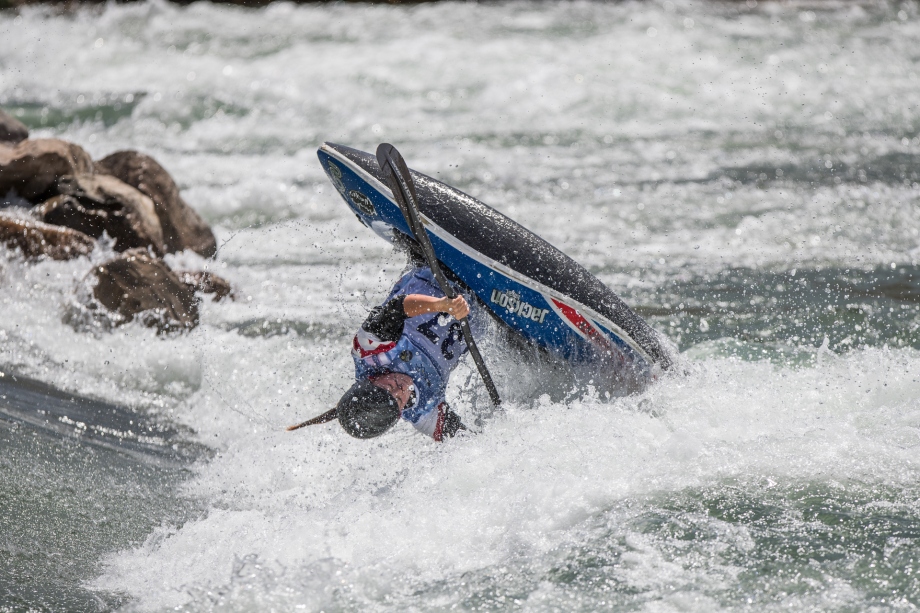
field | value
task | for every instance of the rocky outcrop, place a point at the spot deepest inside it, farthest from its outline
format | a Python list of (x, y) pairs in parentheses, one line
[(35, 239), (33, 167), (94, 204), (127, 196), (12, 130), (207, 283), (135, 283), (182, 227)]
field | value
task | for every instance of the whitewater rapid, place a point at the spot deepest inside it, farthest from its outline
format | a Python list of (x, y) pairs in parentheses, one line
[(742, 175)]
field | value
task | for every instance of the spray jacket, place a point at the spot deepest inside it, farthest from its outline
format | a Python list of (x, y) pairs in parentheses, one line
[(426, 348)]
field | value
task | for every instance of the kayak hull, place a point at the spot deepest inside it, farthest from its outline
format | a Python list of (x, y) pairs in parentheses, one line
[(533, 288)]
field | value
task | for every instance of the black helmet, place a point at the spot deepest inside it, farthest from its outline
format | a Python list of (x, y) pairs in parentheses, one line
[(366, 411)]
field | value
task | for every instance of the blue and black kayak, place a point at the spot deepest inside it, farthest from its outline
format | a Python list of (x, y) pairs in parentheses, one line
[(534, 289)]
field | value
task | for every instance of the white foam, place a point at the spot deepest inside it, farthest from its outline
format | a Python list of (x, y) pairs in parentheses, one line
[(384, 511)]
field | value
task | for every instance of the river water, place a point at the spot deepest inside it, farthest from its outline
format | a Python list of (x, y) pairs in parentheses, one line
[(744, 175)]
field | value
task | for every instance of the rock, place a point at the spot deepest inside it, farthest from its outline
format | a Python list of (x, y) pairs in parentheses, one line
[(182, 227), (11, 129), (36, 239), (207, 283), (135, 283), (67, 211), (96, 203), (33, 167)]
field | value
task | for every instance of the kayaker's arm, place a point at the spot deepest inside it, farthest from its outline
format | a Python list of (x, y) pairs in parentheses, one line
[(419, 304), (386, 322)]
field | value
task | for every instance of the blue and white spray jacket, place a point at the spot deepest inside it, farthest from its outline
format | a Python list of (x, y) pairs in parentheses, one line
[(428, 347)]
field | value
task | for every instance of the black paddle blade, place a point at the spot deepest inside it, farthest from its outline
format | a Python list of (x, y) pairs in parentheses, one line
[(389, 160), (320, 419), (398, 176)]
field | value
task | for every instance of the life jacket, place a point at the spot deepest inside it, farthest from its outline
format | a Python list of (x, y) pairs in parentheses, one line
[(429, 348)]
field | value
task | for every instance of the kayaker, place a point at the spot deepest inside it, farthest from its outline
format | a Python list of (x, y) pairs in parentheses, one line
[(404, 353)]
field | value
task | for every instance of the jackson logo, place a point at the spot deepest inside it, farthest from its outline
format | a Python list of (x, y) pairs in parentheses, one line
[(336, 176), (363, 203), (511, 300)]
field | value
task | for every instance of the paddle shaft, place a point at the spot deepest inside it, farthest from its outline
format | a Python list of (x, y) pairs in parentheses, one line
[(405, 195)]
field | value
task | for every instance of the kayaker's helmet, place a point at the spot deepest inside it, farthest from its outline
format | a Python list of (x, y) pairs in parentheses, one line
[(366, 411)]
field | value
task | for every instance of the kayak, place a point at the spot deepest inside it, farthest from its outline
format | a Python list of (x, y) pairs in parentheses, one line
[(532, 288)]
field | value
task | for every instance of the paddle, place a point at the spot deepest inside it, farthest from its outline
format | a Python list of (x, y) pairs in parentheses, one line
[(327, 416), (403, 188)]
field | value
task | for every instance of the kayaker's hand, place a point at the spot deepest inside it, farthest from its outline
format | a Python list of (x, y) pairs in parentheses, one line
[(452, 424), (456, 307)]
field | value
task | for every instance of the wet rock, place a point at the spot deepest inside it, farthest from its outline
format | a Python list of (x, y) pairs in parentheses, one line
[(182, 226), (33, 167), (207, 283), (36, 239), (67, 211), (12, 130), (96, 203), (136, 284)]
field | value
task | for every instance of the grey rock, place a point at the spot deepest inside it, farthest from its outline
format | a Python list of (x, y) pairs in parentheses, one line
[(11, 129), (96, 203), (36, 239), (207, 283), (33, 167), (183, 228), (135, 284)]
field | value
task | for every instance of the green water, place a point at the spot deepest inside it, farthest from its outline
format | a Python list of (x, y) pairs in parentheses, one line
[(63, 505)]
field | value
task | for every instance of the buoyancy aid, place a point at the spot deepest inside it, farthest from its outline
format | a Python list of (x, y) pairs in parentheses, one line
[(429, 347)]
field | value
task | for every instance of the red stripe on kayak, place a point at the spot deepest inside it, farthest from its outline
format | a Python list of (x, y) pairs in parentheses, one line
[(581, 324)]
